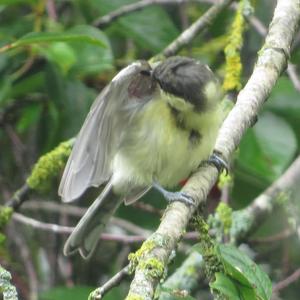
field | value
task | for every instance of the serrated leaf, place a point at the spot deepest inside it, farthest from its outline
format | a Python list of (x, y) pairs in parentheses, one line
[(242, 269)]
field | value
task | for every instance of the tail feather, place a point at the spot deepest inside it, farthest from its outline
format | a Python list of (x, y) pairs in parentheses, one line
[(85, 236)]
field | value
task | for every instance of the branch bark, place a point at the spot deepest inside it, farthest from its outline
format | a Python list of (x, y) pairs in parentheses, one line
[(189, 34), (271, 62)]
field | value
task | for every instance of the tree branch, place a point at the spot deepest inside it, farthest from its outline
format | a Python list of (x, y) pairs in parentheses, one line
[(244, 223), (270, 64), (130, 8), (247, 220), (112, 282), (189, 34)]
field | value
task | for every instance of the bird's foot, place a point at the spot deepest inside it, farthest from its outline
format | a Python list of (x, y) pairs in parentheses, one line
[(218, 162), (174, 196)]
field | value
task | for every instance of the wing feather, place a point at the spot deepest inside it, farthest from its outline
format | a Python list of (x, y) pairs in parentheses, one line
[(90, 161)]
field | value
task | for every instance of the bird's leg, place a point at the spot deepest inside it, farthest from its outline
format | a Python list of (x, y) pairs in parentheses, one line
[(218, 162), (174, 196)]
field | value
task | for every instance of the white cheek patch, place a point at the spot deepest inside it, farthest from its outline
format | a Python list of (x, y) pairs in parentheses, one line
[(212, 91), (127, 71)]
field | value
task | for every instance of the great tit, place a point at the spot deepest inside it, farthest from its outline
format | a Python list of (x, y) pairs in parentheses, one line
[(150, 127)]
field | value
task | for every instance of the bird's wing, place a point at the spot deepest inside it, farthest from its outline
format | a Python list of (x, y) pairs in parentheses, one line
[(90, 161)]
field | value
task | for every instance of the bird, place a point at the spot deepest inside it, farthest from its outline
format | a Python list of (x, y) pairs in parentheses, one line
[(150, 127)]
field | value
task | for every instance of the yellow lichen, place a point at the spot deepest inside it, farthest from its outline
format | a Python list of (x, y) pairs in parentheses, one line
[(49, 166), (207, 248), (224, 180), (232, 80), (225, 216), (134, 258), (152, 267)]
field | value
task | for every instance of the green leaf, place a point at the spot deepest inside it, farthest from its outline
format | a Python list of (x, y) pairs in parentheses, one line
[(242, 269), (91, 60), (30, 115), (75, 293), (268, 147), (79, 34), (5, 89), (60, 53), (151, 28), (284, 101), (225, 286), (13, 2), (30, 84), (284, 98)]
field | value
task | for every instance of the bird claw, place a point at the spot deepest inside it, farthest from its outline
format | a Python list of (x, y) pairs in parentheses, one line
[(218, 162), (175, 196)]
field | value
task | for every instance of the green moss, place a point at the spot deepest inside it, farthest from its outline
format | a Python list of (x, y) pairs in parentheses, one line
[(152, 267), (232, 52), (134, 258), (49, 166), (5, 215), (224, 179), (207, 248)]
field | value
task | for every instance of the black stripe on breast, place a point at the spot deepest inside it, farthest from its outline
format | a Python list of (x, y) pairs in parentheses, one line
[(195, 137)]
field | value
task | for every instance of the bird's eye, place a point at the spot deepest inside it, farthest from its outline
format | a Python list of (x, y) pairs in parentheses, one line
[(146, 72)]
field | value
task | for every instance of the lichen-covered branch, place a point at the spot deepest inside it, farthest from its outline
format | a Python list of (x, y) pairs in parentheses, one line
[(243, 223), (47, 167), (271, 63), (185, 278)]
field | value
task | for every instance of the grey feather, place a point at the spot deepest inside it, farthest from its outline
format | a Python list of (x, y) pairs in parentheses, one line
[(97, 142), (86, 234)]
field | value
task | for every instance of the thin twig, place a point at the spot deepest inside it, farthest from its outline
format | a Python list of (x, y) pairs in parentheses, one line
[(190, 33), (130, 8), (112, 282), (287, 281), (19, 197), (26, 257), (284, 234), (51, 10), (79, 212), (122, 238)]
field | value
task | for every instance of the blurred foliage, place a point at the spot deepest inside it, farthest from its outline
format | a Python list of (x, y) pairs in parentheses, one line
[(54, 62)]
